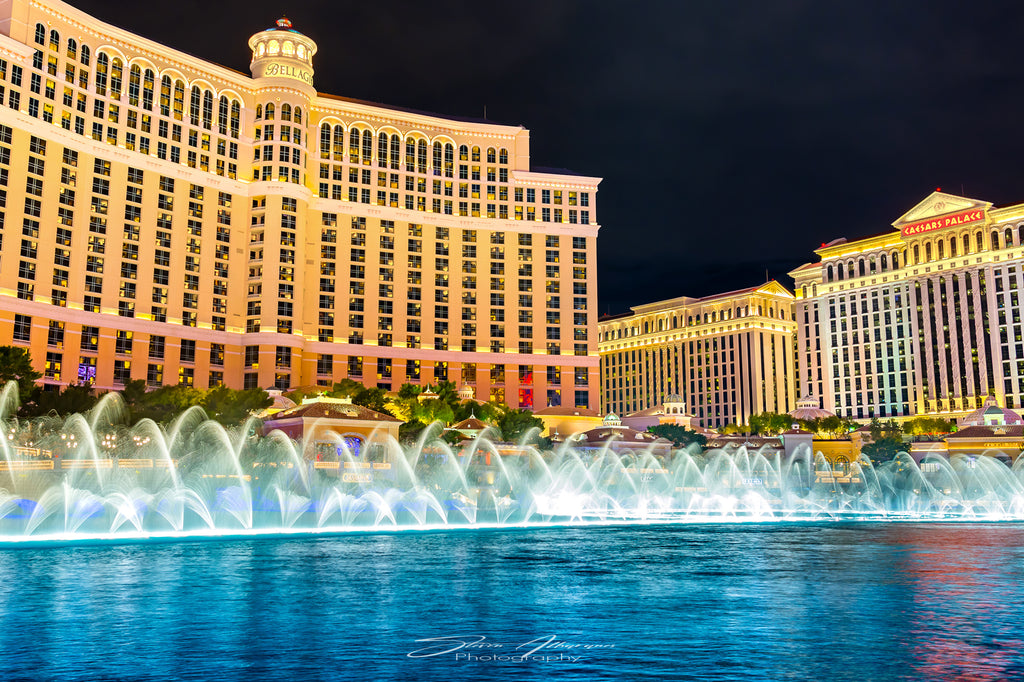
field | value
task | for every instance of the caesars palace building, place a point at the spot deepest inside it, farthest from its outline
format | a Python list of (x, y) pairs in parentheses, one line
[(171, 220)]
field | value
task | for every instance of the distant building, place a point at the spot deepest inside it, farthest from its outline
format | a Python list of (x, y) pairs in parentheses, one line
[(328, 426), (727, 356), (615, 437)]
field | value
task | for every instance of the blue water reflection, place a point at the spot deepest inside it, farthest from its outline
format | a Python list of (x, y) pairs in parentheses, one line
[(732, 602)]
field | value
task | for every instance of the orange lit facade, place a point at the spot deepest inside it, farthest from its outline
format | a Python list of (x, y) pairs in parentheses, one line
[(728, 356), (925, 319), (171, 220)]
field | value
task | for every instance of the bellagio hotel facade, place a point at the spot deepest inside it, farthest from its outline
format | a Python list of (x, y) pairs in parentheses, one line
[(167, 219)]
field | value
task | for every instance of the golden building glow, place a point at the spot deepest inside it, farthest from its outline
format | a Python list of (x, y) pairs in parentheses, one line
[(168, 219)]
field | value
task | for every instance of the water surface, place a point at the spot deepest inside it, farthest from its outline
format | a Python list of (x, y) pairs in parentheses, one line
[(733, 602)]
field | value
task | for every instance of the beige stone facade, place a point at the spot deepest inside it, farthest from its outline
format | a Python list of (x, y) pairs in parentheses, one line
[(168, 219), (922, 319), (727, 356)]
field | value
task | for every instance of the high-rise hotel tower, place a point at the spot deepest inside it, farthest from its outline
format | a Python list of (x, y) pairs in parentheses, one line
[(167, 219)]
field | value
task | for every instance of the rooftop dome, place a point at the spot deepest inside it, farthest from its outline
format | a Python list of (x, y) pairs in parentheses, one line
[(992, 414), (807, 408)]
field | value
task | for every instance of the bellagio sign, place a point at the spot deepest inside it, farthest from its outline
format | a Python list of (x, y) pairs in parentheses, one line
[(942, 222)]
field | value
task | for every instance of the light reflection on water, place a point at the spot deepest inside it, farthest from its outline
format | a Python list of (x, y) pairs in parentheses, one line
[(798, 601)]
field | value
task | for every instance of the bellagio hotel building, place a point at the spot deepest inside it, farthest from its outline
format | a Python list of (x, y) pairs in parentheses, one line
[(168, 219)]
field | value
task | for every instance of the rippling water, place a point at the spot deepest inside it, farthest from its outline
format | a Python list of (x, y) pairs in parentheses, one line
[(794, 601)]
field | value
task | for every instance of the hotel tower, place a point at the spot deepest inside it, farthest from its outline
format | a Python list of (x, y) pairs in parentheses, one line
[(168, 219)]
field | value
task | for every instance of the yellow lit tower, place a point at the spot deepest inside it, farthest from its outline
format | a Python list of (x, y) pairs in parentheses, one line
[(282, 69)]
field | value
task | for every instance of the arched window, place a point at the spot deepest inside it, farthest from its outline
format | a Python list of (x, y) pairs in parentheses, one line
[(40, 34), (463, 153), (116, 73), (102, 69), (134, 85), (72, 49), (367, 147), (297, 115), (268, 113), (421, 156), (995, 240), (325, 141), (952, 247), (895, 261), (85, 55), (860, 267), (492, 156), (872, 265), (259, 112), (449, 160), (179, 100), (261, 49), (196, 103), (839, 271), (1008, 237), (207, 109), (236, 118), (476, 153), (980, 239), (54, 40), (353, 145), (382, 150), (928, 252), (288, 48), (222, 115), (1020, 234), (274, 47), (883, 262), (438, 152), (148, 81), (852, 272), (396, 152), (917, 254), (942, 249), (338, 147), (829, 274), (286, 112), (967, 244), (503, 156)]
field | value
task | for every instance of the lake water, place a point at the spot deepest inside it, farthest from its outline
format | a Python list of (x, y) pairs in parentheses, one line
[(828, 601)]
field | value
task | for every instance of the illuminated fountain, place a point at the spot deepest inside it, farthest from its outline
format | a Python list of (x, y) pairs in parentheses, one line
[(91, 476)]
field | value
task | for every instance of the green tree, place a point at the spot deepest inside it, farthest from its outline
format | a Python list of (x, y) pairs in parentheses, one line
[(928, 426), (346, 388), (16, 365), (230, 407), (76, 398), (515, 423), (883, 450), (165, 403), (373, 398), (679, 435), (770, 423)]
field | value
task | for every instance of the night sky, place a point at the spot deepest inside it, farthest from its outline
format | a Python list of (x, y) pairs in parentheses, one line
[(733, 137)]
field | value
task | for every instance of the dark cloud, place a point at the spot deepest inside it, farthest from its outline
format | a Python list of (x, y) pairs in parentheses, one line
[(731, 135)]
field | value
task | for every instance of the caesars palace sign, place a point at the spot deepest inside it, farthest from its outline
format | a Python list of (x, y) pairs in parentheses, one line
[(941, 222), (278, 70)]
